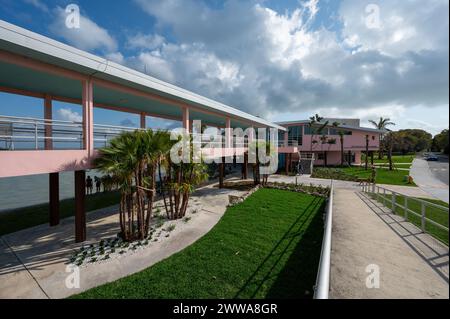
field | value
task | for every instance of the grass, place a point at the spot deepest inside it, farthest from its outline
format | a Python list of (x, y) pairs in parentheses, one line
[(266, 247), (395, 159), (383, 176), (30, 216), (433, 213)]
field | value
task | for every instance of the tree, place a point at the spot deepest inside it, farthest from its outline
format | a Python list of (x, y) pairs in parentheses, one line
[(411, 141), (440, 142), (253, 149), (382, 124), (366, 165), (341, 134), (131, 159), (390, 140), (179, 182), (316, 127)]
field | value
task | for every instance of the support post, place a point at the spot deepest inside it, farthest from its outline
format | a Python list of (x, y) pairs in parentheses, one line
[(88, 116), (286, 163), (245, 166), (48, 124), (185, 120), (228, 133), (80, 212), (143, 123), (53, 199), (221, 172), (422, 219), (286, 139)]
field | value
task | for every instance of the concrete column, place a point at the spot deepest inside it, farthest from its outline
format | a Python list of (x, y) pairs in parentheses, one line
[(48, 127), (80, 210), (53, 199), (88, 116), (185, 120), (143, 124), (245, 166), (221, 172), (228, 133), (286, 138), (286, 163)]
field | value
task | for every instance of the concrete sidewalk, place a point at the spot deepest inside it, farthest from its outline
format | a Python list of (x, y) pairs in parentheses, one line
[(412, 264), (424, 178), (33, 261)]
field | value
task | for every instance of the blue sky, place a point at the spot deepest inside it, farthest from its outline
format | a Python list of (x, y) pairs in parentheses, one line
[(277, 59)]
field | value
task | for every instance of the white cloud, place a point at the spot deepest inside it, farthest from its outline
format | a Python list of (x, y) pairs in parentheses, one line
[(145, 41), (268, 63), (89, 36), (66, 114), (38, 4)]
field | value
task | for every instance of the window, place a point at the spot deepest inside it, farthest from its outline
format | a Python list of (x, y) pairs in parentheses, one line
[(321, 156), (295, 134)]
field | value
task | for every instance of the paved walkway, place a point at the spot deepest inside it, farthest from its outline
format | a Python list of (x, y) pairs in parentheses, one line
[(412, 264), (33, 261), (425, 179)]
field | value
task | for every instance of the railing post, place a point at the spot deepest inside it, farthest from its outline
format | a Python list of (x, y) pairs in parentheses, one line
[(384, 196), (393, 202), (406, 207), (423, 217), (36, 146)]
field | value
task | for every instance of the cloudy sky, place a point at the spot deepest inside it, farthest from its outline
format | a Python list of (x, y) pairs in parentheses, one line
[(281, 60)]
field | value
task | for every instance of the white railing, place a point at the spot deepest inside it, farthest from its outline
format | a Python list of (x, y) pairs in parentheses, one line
[(21, 133), (290, 142), (399, 202), (15, 130), (322, 287)]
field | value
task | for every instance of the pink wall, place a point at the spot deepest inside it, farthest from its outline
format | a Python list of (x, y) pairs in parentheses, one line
[(20, 163), (356, 141)]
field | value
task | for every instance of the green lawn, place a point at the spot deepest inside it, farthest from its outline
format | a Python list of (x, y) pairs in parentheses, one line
[(30, 216), (435, 214), (384, 176), (266, 247), (395, 159)]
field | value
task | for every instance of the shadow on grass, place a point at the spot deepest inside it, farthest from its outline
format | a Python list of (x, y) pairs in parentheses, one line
[(297, 278)]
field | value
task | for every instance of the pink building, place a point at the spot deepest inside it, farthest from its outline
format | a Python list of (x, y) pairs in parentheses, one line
[(323, 147)]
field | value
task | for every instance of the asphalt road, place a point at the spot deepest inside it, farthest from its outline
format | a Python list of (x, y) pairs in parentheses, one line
[(440, 168)]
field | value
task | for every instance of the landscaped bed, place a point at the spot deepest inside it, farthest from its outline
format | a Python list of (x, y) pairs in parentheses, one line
[(265, 247), (353, 173)]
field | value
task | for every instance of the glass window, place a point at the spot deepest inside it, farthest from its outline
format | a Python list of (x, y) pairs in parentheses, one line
[(295, 134)]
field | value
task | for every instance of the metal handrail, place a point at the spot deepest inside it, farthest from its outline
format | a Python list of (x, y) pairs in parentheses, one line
[(382, 198), (322, 287)]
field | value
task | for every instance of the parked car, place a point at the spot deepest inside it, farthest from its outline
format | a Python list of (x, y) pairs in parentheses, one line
[(431, 157)]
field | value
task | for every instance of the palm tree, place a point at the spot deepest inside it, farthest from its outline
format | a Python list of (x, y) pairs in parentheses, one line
[(131, 160), (382, 124), (179, 182), (341, 140)]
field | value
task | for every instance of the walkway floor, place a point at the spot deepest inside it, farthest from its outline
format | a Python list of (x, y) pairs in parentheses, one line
[(33, 261), (412, 264), (425, 179)]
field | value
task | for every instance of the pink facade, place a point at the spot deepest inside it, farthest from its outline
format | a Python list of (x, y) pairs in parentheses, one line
[(327, 151)]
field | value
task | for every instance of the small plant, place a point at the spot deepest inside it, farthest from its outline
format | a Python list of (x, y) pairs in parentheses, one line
[(186, 219), (194, 211), (170, 228)]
